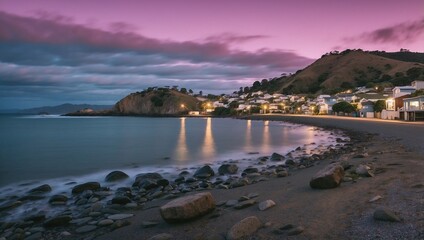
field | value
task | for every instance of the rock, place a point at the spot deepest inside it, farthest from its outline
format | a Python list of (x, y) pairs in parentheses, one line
[(162, 236), (38, 217), (364, 170), (65, 234), (277, 157), (187, 207), (287, 227), (57, 221), (35, 236), (147, 179), (329, 177), (121, 200), (376, 198), (105, 222), (116, 176), (384, 214), (58, 198), (204, 172), (250, 170), (120, 216), (45, 188), (266, 204), (245, 204), (148, 224), (295, 231), (162, 182), (231, 203), (10, 205), (85, 186), (119, 224), (227, 169), (244, 228), (239, 183), (86, 228), (282, 173)]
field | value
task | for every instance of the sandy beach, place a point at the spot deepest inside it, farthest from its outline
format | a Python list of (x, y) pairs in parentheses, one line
[(391, 151)]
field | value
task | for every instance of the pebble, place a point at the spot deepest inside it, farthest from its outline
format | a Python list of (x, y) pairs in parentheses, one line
[(244, 228), (376, 198), (65, 234), (384, 214), (87, 228), (245, 204), (105, 222), (148, 224), (231, 203), (162, 236), (266, 204), (295, 231), (120, 216)]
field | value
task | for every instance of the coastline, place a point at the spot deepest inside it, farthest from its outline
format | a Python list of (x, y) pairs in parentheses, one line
[(325, 214)]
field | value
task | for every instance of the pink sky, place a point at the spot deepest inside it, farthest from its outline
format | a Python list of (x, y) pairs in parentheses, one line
[(54, 51), (309, 27)]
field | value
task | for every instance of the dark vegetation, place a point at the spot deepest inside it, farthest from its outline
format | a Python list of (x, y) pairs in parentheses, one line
[(344, 107)]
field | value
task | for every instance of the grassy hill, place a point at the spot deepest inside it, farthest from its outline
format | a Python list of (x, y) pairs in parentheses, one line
[(160, 101), (340, 71)]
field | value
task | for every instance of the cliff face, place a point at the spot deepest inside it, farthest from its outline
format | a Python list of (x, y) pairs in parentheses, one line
[(157, 102)]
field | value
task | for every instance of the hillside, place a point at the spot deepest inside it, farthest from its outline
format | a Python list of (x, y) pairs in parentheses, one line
[(341, 71), (156, 102)]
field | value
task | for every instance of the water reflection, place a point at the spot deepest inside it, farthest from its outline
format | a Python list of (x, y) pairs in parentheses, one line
[(266, 138), (248, 138), (208, 147), (181, 149)]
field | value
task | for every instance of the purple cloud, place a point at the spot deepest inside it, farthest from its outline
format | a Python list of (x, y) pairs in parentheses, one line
[(400, 33)]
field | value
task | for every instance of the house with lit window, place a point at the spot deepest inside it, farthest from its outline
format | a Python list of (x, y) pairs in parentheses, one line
[(413, 109)]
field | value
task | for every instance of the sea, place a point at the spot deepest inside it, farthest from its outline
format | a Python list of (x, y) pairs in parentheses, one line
[(57, 149)]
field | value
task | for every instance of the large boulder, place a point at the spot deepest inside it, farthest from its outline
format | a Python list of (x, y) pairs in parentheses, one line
[(93, 186), (187, 207), (244, 228), (147, 180), (329, 177), (204, 172), (228, 169), (41, 189), (277, 157), (116, 176)]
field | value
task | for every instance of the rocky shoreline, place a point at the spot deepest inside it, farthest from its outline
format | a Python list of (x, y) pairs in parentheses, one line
[(234, 202)]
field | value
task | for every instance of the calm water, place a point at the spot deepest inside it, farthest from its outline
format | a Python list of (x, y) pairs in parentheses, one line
[(39, 148)]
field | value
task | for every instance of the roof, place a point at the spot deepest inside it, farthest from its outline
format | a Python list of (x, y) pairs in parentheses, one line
[(413, 98)]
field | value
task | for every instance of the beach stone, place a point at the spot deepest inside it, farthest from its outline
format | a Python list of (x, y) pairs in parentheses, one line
[(239, 183), (329, 177), (81, 221), (86, 228), (188, 207), (119, 224), (231, 203), (162, 236), (364, 170), (32, 197), (250, 170), (105, 222), (245, 204), (295, 231), (57, 221), (45, 188), (163, 182), (148, 224), (266, 204), (35, 236), (384, 214), (151, 178), (244, 228), (95, 214), (85, 186), (121, 200), (204, 172), (282, 173), (65, 234), (116, 176), (58, 198), (120, 216), (10, 205), (38, 217), (276, 157), (227, 169), (376, 198)]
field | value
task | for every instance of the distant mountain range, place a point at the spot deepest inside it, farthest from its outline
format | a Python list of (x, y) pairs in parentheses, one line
[(335, 72), (60, 109)]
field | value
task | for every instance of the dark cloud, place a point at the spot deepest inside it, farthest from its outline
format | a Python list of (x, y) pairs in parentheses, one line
[(400, 33), (55, 58)]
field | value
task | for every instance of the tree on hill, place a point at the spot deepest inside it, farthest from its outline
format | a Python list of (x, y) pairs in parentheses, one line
[(343, 107)]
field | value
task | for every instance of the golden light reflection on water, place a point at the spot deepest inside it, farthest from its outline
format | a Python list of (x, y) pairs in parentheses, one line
[(181, 150), (266, 138), (208, 147), (248, 139)]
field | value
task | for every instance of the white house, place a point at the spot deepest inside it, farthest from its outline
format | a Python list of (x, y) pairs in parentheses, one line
[(402, 91), (418, 85)]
